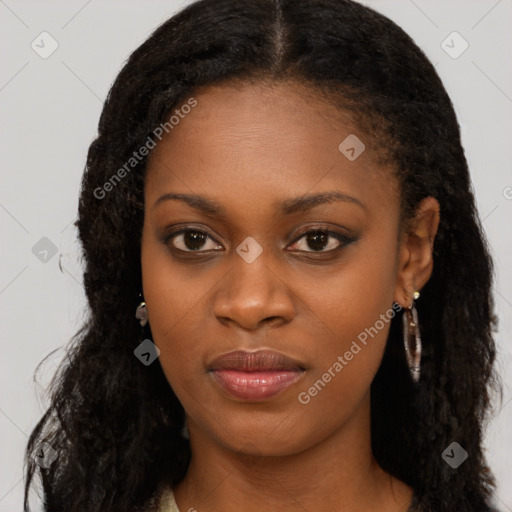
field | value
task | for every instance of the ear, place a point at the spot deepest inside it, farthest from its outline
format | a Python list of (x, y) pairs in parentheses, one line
[(415, 261)]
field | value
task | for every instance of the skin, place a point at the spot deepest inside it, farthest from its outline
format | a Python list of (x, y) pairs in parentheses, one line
[(247, 148)]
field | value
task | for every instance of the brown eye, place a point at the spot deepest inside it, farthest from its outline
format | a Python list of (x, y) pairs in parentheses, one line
[(317, 240), (320, 240), (190, 240)]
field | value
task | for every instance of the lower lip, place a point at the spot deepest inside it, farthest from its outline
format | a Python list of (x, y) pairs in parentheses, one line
[(257, 385)]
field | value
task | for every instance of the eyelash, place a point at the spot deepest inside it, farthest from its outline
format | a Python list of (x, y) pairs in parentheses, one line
[(342, 238)]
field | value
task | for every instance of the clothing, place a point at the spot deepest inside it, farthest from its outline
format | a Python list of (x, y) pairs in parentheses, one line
[(169, 503)]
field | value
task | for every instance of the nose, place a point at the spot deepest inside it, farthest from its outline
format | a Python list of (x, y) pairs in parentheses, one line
[(252, 294)]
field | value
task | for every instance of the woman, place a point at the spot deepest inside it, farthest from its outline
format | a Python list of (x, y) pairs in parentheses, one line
[(279, 195)]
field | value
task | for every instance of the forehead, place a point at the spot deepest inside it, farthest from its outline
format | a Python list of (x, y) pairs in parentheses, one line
[(263, 141)]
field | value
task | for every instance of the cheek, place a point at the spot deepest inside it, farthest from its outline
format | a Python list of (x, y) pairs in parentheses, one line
[(174, 292), (351, 298), (355, 309), (173, 304)]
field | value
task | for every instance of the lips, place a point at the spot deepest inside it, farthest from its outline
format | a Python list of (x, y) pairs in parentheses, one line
[(255, 376), (255, 361)]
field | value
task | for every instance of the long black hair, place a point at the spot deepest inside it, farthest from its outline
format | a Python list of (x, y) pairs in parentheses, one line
[(115, 424)]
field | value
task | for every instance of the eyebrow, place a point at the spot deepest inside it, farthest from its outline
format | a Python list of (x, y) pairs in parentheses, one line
[(284, 207)]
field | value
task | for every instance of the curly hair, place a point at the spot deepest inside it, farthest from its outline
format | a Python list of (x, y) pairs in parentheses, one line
[(115, 424)]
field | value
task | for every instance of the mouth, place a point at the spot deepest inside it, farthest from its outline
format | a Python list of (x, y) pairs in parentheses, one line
[(255, 376)]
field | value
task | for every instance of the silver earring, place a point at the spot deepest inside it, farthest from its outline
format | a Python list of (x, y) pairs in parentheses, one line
[(412, 338), (142, 314)]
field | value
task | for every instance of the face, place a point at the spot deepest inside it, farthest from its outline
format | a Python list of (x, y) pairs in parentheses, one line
[(254, 261)]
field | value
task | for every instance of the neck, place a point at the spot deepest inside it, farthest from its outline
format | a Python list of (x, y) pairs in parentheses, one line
[(338, 473)]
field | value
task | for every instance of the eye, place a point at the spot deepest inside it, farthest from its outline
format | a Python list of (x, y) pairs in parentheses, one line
[(321, 240), (192, 240), (317, 240)]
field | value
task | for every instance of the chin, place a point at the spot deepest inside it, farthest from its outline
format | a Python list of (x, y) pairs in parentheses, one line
[(253, 440)]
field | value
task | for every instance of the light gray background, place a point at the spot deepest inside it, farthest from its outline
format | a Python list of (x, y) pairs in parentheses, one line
[(50, 109)]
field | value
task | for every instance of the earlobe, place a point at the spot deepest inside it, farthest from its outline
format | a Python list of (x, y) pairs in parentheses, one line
[(416, 262)]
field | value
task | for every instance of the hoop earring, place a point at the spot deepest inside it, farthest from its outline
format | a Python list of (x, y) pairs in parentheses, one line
[(412, 338)]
